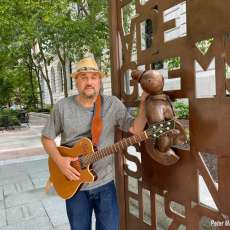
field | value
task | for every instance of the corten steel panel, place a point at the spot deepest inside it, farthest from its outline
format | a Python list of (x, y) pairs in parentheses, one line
[(209, 118), (212, 14), (224, 187), (172, 178), (210, 125)]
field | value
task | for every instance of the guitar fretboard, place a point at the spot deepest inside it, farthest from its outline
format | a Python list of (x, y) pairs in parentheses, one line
[(124, 143)]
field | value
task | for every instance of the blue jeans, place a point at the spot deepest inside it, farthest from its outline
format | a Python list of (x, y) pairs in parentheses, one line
[(104, 203)]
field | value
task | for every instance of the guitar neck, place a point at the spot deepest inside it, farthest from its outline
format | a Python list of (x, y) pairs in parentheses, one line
[(124, 143)]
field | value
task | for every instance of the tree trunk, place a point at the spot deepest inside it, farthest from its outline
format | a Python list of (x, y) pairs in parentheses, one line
[(40, 88), (48, 86), (46, 75), (31, 65), (63, 65), (65, 80), (32, 86), (50, 92), (36, 69)]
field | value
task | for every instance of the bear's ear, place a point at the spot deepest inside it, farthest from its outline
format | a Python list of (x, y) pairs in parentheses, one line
[(136, 74)]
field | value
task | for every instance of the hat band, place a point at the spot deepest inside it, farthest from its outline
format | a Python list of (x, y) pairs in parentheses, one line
[(87, 69)]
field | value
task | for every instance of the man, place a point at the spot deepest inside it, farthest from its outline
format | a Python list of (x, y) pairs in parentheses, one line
[(72, 118)]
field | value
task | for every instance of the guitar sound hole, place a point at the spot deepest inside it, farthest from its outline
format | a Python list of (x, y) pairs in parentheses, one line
[(76, 165)]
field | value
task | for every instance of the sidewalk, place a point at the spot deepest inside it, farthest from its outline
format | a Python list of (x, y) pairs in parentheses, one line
[(22, 142), (24, 205)]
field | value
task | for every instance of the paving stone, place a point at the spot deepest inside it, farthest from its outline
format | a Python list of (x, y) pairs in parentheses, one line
[(1, 204), (2, 218), (9, 179), (24, 198), (42, 173), (6, 170), (25, 212), (93, 221), (39, 179), (18, 187), (40, 223), (1, 198), (55, 208), (40, 182), (24, 205), (37, 166), (62, 227), (1, 193)]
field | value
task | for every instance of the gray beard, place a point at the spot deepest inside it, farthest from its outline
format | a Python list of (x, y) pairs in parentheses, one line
[(89, 96)]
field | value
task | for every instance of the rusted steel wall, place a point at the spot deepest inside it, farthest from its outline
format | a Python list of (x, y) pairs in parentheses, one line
[(176, 28)]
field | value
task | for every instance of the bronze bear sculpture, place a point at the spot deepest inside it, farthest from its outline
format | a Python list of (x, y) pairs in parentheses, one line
[(158, 108)]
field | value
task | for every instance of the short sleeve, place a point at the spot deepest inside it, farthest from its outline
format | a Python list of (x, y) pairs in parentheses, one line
[(53, 126), (123, 118)]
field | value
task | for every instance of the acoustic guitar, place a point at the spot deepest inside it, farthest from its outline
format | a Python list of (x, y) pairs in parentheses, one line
[(83, 149)]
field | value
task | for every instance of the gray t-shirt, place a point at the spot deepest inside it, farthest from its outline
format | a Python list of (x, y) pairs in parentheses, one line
[(73, 121)]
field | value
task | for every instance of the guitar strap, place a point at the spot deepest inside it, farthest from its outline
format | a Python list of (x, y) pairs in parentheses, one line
[(97, 123)]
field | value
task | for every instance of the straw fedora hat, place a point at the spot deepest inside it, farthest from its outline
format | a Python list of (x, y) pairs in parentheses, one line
[(86, 65)]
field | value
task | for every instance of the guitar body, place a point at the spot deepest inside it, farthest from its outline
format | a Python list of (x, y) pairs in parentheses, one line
[(64, 187)]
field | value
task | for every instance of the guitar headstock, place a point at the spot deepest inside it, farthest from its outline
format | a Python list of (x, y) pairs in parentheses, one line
[(156, 129)]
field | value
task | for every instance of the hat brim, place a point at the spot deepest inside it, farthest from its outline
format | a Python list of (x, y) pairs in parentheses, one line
[(77, 73)]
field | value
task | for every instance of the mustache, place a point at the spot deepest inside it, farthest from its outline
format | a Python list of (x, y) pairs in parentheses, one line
[(89, 86)]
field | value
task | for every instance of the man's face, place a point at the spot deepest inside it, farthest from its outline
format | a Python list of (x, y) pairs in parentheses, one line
[(88, 84)]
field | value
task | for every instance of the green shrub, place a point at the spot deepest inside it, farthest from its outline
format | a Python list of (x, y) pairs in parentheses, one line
[(46, 109), (13, 120), (9, 117), (181, 110), (134, 111)]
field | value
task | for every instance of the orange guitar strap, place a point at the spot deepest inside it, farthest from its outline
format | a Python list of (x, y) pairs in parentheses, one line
[(97, 123)]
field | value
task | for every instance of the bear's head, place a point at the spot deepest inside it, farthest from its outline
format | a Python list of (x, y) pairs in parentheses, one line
[(152, 81)]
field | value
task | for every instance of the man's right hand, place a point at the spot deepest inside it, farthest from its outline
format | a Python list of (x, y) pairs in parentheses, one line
[(64, 164)]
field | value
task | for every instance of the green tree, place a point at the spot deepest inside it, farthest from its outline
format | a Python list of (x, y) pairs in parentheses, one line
[(64, 28), (6, 87)]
